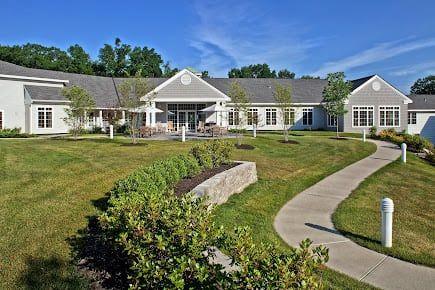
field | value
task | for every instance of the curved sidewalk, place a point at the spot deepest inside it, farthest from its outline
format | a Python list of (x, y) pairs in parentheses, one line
[(308, 215)]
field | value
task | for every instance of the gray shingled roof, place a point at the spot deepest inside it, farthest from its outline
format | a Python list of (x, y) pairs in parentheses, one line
[(358, 82), (261, 90), (104, 89), (45, 93), (421, 102)]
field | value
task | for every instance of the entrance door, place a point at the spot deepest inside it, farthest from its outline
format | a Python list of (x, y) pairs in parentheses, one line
[(188, 119), (191, 121)]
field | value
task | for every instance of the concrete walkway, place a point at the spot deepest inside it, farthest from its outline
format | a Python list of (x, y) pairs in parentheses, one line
[(308, 215)]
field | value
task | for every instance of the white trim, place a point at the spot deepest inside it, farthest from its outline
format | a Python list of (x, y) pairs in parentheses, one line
[(276, 104), (3, 119), (421, 110), (275, 110), (406, 99), (328, 124), (367, 106), (379, 116), (186, 100), (184, 71), (33, 78), (49, 101)]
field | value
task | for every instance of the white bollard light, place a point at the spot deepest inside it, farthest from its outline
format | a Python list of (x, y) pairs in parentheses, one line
[(111, 131), (403, 152), (254, 131), (183, 134), (387, 209), (364, 135)]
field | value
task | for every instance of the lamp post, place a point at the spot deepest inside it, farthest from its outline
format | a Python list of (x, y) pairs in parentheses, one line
[(403, 152), (387, 209)]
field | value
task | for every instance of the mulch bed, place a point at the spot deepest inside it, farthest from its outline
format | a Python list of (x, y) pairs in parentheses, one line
[(339, 138), (245, 147), (187, 184), (289, 142)]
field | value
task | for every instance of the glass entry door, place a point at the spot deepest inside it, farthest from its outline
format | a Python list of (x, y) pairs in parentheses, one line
[(188, 119)]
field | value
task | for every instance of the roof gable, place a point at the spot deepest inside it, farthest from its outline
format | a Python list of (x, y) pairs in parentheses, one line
[(186, 86), (362, 84)]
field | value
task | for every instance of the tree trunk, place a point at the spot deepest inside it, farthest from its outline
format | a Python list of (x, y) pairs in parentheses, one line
[(285, 135), (336, 126)]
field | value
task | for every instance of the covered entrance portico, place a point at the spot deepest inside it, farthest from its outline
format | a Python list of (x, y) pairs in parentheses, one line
[(181, 100)]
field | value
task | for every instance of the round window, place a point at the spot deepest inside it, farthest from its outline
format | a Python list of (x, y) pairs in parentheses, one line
[(376, 86), (186, 79)]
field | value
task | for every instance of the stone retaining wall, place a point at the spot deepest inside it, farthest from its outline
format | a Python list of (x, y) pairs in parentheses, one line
[(234, 180)]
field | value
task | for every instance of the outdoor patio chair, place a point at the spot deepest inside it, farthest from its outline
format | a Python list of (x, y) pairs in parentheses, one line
[(201, 128), (160, 128), (145, 131), (170, 126)]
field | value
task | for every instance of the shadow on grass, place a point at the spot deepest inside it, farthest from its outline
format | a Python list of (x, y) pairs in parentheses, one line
[(51, 273)]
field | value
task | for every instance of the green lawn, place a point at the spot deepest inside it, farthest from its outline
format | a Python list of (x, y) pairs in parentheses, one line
[(50, 187), (412, 188)]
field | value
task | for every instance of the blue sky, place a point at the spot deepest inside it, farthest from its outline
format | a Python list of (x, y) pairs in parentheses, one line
[(395, 39)]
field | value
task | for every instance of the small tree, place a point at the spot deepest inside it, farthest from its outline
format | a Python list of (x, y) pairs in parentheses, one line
[(131, 91), (241, 103), (80, 103), (335, 96), (283, 99)]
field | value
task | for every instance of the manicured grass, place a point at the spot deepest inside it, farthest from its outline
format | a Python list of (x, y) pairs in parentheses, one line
[(284, 170), (411, 186), (50, 187)]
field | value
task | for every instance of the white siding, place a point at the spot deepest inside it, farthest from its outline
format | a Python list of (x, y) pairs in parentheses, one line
[(59, 125), (425, 125)]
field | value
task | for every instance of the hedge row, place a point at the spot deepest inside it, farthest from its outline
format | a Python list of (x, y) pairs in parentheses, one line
[(414, 143), (13, 133), (165, 240)]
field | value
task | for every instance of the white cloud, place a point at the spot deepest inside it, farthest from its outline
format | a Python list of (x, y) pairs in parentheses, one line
[(420, 68), (375, 54), (235, 34)]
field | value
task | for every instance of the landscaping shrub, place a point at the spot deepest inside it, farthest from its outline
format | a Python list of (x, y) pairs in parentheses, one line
[(372, 132), (95, 130), (166, 241), (265, 267), (212, 153), (13, 133), (414, 143)]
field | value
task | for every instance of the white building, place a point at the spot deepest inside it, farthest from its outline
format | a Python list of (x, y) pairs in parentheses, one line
[(31, 99)]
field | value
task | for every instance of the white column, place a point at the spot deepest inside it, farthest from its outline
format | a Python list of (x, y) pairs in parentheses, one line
[(403, 152), (85, 119), (218, 116), (147, 119), (101, 118), (122, 117), (153, 115), (387, 209)]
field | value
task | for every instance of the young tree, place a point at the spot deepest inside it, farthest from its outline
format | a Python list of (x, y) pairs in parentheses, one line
[(424, 86), (335, 95), (80, 103), (131, 91), (283, 98), (241, 103)]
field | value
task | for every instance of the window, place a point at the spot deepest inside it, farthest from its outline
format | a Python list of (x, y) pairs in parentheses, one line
[(252, 116), (389, 116), (45, 117), (362, 116), (307, 117), (233, 118), (270, 116), (412, 118), (1, 120), (289, 116), (332, 121)]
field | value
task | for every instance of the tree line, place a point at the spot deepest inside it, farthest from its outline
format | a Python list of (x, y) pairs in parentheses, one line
[(264, 71), (117, 60)]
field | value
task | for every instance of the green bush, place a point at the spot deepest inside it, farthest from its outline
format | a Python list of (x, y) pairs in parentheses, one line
[(13, 133), (165, 241), (238, 131), (212, 153), (372, 132), (417, 143), (265, 267), (95, 130)]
